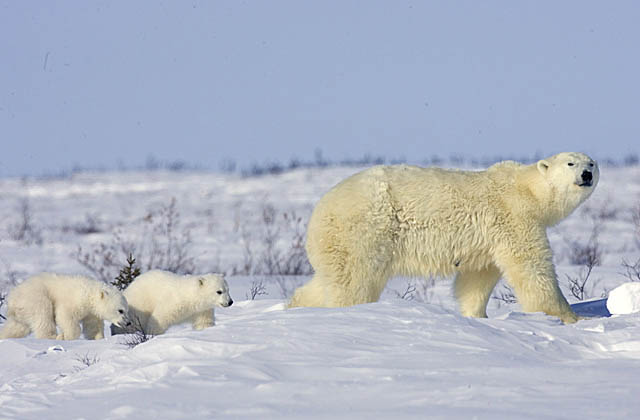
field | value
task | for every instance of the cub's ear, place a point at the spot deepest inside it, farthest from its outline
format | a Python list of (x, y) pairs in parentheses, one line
[(543, 166), (201, 281)]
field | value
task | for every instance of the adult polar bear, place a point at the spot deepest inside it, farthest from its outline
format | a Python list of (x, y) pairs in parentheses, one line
[(411, 221)]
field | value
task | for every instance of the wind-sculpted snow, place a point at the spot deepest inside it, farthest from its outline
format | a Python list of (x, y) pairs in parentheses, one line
[(391, 359), (624, 299)]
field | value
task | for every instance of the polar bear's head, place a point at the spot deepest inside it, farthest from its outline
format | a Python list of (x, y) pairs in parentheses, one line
[(571, 176), (111, 305), (214, 288)]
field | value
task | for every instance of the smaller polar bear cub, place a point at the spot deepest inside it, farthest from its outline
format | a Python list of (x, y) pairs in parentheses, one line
[(47, 300), (159, 299)]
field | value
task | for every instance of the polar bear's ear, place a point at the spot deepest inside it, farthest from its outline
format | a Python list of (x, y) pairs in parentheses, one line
[(543, 166)]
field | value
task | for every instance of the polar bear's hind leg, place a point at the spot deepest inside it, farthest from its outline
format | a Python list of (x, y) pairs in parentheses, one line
[(473, 289)]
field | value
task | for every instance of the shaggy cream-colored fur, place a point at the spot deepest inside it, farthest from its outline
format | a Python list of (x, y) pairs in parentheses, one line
[(159, 299), (410, 221), (43, 301)]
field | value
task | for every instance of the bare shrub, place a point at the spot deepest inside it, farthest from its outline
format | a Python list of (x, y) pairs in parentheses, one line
[(90, 225), (248, 258), (591, 251), (578, 284), (10, 274), (419, 289), (25, 230), (424, 288), (632, 270), (286, 285), (12, 277), (409, 293), (257, 289), (294, 261), (3, 299), (291, 260), (86, 360), (170, 246), (599, 214), (163, 245), (136, 333), (280, 244), (505, 294), (635, 216), (101, 260), (588, 252)]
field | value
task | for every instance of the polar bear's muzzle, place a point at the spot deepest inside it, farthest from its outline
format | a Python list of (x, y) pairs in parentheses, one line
[(124, 322), (586, 179)]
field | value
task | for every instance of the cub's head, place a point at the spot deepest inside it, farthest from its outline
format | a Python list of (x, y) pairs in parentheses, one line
[(573, 176), (215, 288), (112, 306)]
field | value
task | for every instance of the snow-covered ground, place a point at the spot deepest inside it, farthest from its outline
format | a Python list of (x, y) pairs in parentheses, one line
[(399, 358)]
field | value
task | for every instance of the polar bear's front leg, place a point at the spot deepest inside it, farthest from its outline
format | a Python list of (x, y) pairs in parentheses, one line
[(93, 328), (69, 327), (155, 326), (473, 288), (532, 275), (202, 320)]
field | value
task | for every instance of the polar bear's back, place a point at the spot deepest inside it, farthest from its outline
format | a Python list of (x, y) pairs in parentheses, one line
[(155, 286), (410, 188), (52, 287)]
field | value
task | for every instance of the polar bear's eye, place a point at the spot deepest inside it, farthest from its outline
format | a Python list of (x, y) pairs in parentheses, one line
[(120, 311), (219, 292), (570, 163)]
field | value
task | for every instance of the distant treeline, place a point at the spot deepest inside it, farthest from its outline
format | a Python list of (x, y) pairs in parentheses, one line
[(274, 167)]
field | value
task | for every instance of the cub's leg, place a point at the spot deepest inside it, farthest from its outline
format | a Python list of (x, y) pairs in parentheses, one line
[(41, 319), (202, 320), (93, 328), (14, 329), (155, 326), (69, 327)]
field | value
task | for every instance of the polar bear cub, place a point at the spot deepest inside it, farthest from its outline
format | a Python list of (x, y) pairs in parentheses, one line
[(479, 226), (47, 300), (159, 299)]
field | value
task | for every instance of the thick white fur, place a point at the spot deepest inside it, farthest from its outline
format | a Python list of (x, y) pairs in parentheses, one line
[(43, 301), (159, 299), (405, 220)]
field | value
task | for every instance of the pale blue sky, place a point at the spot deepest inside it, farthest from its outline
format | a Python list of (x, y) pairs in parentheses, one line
[(96, 83)]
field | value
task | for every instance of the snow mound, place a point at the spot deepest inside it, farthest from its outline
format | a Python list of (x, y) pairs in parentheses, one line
[(624, 299)]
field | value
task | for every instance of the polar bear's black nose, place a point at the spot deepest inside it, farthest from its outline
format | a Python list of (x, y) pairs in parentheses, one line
[(587, 176), (230, 302)]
